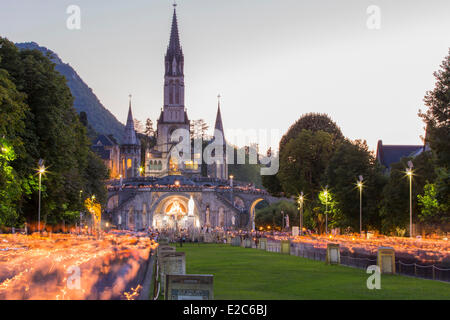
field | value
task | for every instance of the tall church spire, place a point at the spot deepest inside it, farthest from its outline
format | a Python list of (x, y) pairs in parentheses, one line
[(174, 76), (174, 55), (130, 133), (219, 125)]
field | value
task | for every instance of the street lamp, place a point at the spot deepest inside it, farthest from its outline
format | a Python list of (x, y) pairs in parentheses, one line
[(231, 188), (300, 203), (41, 171), (360, 186), (409, 173), (140, 171)]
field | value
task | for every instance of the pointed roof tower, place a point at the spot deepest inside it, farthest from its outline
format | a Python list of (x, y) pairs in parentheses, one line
[(219, 125), (130, 133), (174, 50)]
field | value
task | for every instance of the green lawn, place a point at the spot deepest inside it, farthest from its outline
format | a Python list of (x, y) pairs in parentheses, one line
[(241, 273)]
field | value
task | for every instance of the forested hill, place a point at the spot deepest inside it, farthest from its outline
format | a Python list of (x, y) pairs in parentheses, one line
[(100, 118)]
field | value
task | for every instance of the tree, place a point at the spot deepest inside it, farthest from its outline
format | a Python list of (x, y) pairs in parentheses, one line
[(431, 211), (395, 202), (52, 131), (198, 128), (328, 212), (10, 189), (138, 126), (149, 131), (313, 122), (246, 172), (351, 160), (303, 162), (437, 117)]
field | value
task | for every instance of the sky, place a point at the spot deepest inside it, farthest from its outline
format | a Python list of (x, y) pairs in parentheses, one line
[(271, 60)]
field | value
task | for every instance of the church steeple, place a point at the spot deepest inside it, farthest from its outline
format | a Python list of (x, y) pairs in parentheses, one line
[(219, 125), (174, 55), (130, 133), (174, 75)]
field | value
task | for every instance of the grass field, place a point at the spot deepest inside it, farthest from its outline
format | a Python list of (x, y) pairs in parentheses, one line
[(241, 273)]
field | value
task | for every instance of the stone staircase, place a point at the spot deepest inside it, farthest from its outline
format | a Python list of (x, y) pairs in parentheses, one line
[(229, 204)]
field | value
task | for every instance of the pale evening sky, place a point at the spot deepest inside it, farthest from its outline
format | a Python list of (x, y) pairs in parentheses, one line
[(271, 60)]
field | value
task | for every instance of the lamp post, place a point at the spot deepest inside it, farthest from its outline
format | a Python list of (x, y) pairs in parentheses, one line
[(409, 173), (41, 171), (300, 202), (360, 185), (231, 189), (140, 171)]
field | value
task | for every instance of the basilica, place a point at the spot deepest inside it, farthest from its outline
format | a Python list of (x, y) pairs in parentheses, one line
[(171, 190), (124, 161)]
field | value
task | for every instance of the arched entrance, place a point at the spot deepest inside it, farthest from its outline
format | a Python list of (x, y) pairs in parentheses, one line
[(252, 211), (176, 212)]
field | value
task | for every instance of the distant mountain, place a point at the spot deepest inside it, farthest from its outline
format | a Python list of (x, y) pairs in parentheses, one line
[(100, 118)]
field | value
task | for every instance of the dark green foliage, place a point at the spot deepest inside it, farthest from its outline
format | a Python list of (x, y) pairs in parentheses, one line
[(351, 160), (437, 117), (272, 184), (313, 122), (395, 204), (245, 172), (51, 131), (303, 162), (271, 215)]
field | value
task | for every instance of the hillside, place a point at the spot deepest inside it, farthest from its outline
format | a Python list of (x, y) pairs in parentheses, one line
[(100, 118)]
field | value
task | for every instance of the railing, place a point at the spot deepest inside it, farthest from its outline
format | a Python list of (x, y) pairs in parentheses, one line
[(431, 272)]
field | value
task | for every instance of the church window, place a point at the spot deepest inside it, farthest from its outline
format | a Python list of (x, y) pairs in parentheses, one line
[(177, 94)]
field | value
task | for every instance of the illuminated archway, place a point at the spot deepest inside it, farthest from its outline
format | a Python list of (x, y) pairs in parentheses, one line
[(172, 212), (252, 212)]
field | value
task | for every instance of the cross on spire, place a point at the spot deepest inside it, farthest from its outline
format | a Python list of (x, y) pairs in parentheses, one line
[(174, 3)]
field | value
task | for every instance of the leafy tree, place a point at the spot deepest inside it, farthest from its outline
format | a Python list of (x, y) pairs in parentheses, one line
[(395, 203), (10, 189), (442, 183), (13, 109), (437, 117), (138, 126), (199, 128), (303, 162), (149, 131), (352, 159), (52, 132), (313, 122), (430, 209), (329, 207)]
